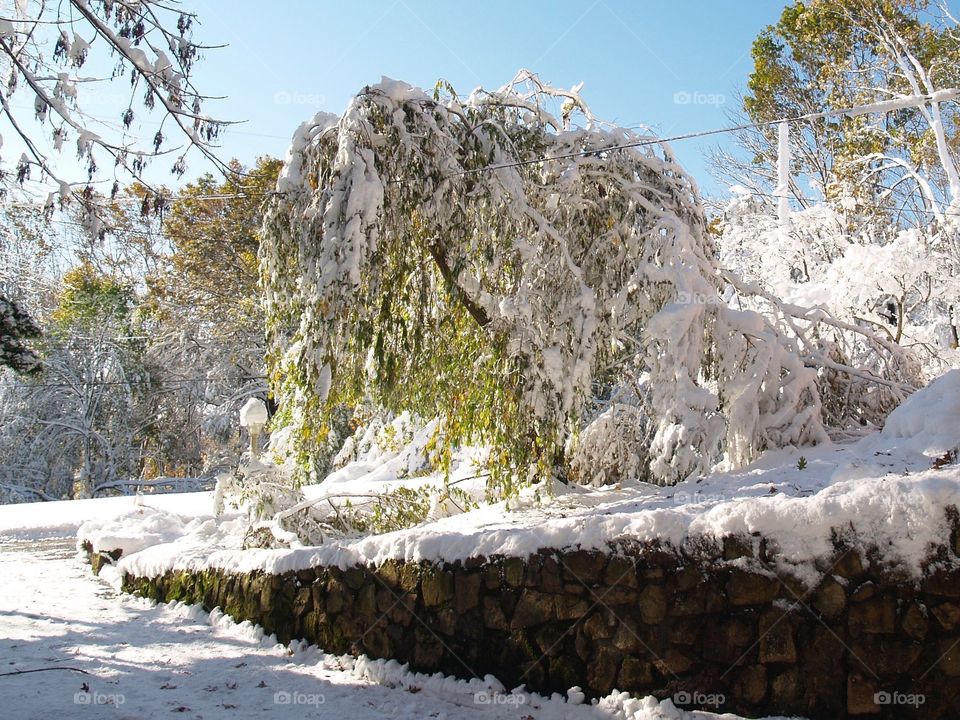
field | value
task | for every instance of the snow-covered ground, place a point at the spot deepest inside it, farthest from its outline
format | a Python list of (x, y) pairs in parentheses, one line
[(141, 660)]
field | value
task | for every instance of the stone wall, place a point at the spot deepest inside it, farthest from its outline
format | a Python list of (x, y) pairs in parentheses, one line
[(712, 627)]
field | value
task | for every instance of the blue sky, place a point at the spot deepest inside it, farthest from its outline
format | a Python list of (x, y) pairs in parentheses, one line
[(674, 66)]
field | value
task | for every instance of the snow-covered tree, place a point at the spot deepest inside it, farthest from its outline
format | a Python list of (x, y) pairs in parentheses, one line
[(81, 421), (509, 270), (824, 56), (55, 56), (206, 322)]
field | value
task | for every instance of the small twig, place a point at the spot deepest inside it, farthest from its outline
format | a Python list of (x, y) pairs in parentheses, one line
[(24, 672)]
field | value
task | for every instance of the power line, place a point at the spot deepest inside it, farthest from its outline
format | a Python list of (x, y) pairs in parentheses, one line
[(884, 107), (98, 383)]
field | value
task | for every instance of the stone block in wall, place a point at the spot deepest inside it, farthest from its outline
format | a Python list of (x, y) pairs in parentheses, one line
[(730, 640), (942, 583), (613, 595), (737, 546), (786, 691), (551, 640), (776, 637), (436, 586), (550, 576), (620, 572), (949, 662), (302, 602), (861, 691), (376, 643), (466, 590), (583, 566), (508, 601), (847, 563), (915, 620), (409, 579), (634, 674), (389, 573), (565, 672), (571, 607), (443, 621), (653, 604), (751, 588), (688, 577), (876, 615), (685, 631), (365, 600), (531, 577), (751, 684), (886, 656), (533, 608), (603, 669), (600, 624), (513, 570), (830, 598), (673, 662), (337, 596), (491, 576), (386, 598), (493, 616), (947, 615), (427, 649), (627, 637), (692, 601)]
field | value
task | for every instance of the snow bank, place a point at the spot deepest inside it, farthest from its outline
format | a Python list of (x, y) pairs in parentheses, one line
[(66, 516), (888, 500), (886, 488), (136, 529), (929, 422)]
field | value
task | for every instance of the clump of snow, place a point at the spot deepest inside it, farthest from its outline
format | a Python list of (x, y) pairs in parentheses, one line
[(253, 413), (929, 422), (891, 501), (136, 529)]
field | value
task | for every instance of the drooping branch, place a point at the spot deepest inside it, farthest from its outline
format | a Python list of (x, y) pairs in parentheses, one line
[(439, 255)]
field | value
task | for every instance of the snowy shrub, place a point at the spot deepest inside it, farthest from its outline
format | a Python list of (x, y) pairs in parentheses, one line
[(613, 447), (864, 306), (277, 514), (487, 263)]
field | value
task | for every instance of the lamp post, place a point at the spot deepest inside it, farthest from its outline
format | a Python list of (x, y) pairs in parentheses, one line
[(253, 416)]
